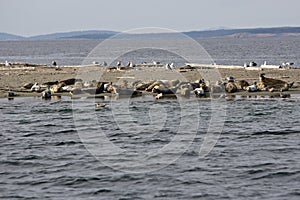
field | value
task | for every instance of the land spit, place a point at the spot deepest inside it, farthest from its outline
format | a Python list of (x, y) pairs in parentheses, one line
[(15, 77)]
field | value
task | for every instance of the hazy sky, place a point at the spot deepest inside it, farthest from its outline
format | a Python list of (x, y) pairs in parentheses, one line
[(31, 17)]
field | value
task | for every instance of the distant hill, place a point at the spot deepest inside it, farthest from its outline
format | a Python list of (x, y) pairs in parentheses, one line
[(6, 36), (94, 34), (255, 32)]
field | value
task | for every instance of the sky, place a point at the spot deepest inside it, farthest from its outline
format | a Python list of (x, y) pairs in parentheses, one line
[(34, 17)]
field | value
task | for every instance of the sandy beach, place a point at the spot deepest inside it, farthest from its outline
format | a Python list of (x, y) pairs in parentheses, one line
[(15, 77)]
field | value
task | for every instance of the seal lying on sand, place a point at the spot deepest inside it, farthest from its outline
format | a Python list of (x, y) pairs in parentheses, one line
[(242, 85), (164, 84), (36, 88), (155, 83), (252, 88), (202, 91), (139, 85), (70, 81), (100, 87), (57, 88), (50, 83), (231, 87), (157, 89), (269, 83), (28, 85)]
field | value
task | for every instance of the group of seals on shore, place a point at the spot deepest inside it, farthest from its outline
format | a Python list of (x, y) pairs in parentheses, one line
[(264, 84), (204, 89), (159, 88)]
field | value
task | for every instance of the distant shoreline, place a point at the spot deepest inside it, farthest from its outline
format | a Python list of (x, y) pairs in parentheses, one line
[(219, 33)]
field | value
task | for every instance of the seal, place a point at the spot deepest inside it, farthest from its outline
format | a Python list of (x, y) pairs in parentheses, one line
[(157, 89), (230, 87), (269, 83), (46, 94), (36, 87)]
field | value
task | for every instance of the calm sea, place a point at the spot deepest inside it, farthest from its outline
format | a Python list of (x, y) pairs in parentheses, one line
[(237, 51), (139, 148)]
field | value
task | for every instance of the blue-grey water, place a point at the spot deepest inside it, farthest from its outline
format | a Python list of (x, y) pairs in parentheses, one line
[(237, 51), (44, 154)]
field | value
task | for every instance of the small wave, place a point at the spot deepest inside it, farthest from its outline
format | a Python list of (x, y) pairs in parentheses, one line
[(77, 181), (49, 125), (13, 196), (296, 193), (51, 110), (263, 113), (31, 157), (71, 181), (157, 140), (81, 181), (255, 171), (66, 110), (259, 165), (30, 134), (116, 134), (66, 131), (194, 169), (21, 162), (124, 178), (21, 122), (104, 190), (281, 132), (276, 175), (66, 143), (164, 130)]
